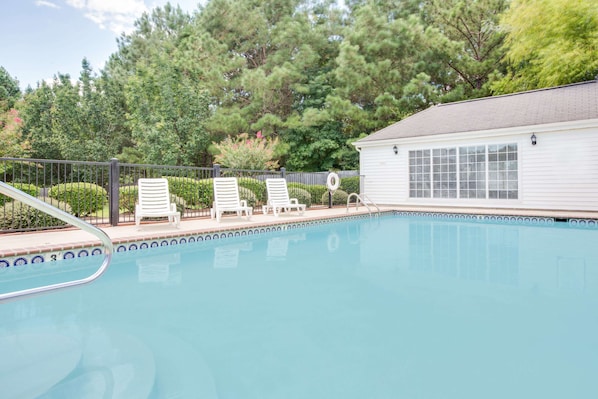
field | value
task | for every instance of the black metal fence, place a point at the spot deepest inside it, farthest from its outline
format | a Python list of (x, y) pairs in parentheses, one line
[(107, 191)]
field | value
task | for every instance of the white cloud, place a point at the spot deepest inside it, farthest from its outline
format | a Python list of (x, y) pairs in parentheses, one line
[(42, 3), (118, 16)]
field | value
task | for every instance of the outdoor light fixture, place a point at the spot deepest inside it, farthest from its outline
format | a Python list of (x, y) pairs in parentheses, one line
[(396, 149), (534, 140)]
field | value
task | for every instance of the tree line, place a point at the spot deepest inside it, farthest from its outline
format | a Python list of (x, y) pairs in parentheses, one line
[(311, 76)]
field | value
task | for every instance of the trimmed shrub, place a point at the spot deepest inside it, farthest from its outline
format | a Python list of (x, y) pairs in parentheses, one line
[(338, 198), (316, 190), (84, 198), (181, 204), (206, 193), (17, 215), (258, 187), (30, 189), (350, 184), (185, 188), (127, 198), (303, 196), (248, 195)]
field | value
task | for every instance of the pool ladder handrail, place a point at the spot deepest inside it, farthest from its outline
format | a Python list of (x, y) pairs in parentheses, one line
[(360, 198), (68, 218)]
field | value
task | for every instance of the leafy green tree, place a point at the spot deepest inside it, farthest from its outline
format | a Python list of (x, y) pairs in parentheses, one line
[(166, 116), (379, 55), (166, 103), (37, 114), (258, 94), (549, 43), (468, 45), (9, 90), (280, 58)]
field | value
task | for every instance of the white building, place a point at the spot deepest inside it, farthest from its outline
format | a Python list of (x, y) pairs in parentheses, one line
[(529, 150)]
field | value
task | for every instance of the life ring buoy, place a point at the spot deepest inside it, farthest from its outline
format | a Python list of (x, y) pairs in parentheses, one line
[(333, 181)]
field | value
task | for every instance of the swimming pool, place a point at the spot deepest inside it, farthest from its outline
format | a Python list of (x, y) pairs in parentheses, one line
[(388, 307)]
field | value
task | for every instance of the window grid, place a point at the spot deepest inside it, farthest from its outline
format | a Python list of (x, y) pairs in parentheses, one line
[(502, 171), (483, 172), (472, 172), (419, 174), (444, 173)]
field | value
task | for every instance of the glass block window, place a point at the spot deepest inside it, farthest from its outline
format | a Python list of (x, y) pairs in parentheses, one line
[(419, 174), (502, 171), (444, 172), (472, 172)]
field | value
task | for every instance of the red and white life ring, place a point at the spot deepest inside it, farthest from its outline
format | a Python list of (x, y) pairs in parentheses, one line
[(333, 181)]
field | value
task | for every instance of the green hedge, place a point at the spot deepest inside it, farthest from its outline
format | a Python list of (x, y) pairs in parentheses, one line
[(127, 198), (187, 189), (350, 184), (338, 198), (258, 188), (206, 192), (316, 190), (248, 195), (303, 196), (83, 198), (30, 189), (17, 215)]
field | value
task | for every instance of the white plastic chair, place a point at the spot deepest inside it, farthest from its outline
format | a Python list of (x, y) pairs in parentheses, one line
[(278, 198), (226, 199), (154, 201)]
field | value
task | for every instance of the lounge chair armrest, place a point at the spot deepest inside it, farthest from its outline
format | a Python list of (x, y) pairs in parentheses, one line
[(173, 206), (243, 203), (294, 201)]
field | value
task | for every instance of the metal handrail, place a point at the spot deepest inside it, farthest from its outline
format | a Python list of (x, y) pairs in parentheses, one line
[(360, 199), (68, 218)]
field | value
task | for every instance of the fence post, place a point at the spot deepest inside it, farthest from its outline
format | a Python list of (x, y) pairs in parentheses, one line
[(216, 171), (113, 183), (283, 172)]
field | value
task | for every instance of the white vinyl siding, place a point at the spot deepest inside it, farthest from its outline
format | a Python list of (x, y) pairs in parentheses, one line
[(559, 173)]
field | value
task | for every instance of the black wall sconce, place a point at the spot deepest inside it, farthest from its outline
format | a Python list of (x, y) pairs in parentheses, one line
[(395, 149), (534, 139)]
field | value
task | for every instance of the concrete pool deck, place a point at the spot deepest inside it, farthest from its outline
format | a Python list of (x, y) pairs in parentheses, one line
[(16, 244)]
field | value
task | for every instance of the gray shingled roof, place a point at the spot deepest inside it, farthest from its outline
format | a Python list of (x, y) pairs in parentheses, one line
[(557, 104)]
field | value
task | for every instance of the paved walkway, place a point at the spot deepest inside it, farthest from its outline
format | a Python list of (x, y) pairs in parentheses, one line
[(15, 244)]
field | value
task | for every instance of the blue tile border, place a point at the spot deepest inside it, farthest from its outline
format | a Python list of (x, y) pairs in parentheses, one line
[(504, 219), (583, 223), (38, 258)]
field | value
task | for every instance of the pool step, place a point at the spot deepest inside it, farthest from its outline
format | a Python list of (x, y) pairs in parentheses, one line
[(113, 365), (33, 362)]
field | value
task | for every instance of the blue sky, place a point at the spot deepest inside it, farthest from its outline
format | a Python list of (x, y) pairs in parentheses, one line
[(39, 38)]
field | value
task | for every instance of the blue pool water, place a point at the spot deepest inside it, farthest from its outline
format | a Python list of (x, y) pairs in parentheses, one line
[(389, 307)]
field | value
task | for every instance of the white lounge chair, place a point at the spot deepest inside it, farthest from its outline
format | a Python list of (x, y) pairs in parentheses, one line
[(226, 199), (154, 201), (278, 198)]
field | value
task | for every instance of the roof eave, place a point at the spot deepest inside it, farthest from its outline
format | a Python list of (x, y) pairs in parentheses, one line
[(541, 128)]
